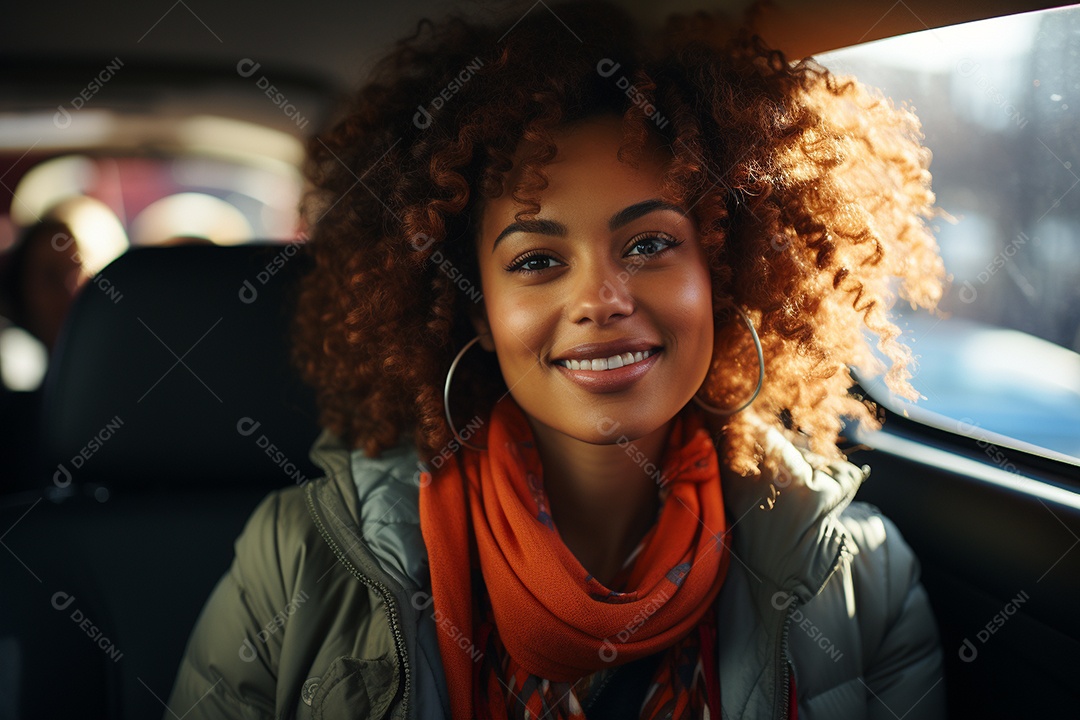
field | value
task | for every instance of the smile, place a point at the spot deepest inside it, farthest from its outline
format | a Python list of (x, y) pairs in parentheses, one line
[(602, 364), (613, 374)]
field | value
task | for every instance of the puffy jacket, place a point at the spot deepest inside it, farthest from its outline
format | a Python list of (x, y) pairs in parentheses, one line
[(325, 611)]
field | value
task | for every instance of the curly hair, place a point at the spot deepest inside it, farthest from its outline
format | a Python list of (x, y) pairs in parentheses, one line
[(811, 191)]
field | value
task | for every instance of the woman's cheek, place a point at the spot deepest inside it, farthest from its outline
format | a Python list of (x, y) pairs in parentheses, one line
[(523, 324)]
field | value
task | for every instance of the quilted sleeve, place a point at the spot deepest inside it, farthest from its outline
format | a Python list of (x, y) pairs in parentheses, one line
[(229, 667), (903, 666)]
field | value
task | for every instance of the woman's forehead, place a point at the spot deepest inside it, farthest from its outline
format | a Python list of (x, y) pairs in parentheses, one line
[(609, 129), (586, 166), (586, 184)]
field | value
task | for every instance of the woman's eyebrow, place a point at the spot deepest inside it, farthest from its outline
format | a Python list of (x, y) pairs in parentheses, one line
[(539, 227), (623, 217), (633, 212)]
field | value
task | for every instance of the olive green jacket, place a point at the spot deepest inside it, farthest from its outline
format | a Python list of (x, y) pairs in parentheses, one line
[(325, 611)]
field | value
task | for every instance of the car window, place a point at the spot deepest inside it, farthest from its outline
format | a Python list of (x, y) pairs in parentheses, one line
[(998, 101)]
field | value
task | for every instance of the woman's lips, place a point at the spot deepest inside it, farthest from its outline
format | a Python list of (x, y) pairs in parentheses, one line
[(608, 381)]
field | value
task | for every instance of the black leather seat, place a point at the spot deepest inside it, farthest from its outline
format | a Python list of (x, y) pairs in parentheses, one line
[(170, 410)]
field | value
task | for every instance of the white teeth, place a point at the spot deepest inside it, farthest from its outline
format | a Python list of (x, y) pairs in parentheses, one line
[(611, 363)]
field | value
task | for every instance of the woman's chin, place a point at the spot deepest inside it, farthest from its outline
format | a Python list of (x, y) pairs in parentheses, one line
[(611, 426)]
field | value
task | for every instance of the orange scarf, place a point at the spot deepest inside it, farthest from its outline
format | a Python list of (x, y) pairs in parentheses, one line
[(556, 621)]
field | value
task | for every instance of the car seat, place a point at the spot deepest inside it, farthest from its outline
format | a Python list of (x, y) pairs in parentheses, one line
[(170, 409)]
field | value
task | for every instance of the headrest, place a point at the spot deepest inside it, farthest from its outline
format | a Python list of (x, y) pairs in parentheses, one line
[(172, 370)]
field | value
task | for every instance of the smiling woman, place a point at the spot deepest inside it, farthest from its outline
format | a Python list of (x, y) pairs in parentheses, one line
[(628, 501), (554, 294)]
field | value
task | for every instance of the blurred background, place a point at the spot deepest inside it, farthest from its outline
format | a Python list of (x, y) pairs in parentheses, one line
[(998, 102), (128, 124)]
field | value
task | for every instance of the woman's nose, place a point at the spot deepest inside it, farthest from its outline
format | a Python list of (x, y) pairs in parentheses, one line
[(601, 293)]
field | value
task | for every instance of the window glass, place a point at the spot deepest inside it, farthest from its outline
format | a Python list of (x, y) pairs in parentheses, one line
[(998, 100)]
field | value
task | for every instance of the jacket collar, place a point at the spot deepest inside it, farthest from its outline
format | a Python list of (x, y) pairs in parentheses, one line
[(793, 547), (793, 544), (370, 507), (377, 504)]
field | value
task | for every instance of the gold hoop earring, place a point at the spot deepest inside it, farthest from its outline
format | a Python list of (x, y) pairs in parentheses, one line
[(761, 372), (446, 395)]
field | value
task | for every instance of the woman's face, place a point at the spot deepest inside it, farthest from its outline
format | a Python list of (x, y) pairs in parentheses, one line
[(53, 274), (606, 275)]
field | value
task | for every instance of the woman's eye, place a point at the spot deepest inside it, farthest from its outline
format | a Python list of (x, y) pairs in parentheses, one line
[(650, 245), (532, 263)]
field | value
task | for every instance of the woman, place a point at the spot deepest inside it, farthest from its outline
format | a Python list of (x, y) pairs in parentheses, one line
[(40, 277), (581, 321)]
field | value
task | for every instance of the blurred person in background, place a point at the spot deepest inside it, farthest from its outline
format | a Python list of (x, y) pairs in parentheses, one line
[(39, 277)]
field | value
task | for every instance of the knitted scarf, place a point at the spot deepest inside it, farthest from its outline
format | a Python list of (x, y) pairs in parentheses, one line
[(487, 525)]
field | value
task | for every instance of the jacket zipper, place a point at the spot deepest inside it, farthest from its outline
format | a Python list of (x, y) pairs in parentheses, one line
[(383, 592), (784, 666), (782, 662)]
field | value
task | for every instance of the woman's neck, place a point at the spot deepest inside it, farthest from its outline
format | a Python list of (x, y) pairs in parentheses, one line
[(604, 498)]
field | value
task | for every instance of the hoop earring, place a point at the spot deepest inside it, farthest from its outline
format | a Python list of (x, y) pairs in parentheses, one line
[(446, 395), (761, 373)]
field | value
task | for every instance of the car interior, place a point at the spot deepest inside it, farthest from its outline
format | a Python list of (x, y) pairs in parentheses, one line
[(136, 440)]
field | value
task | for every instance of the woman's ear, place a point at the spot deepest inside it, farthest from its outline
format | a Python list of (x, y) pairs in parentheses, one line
[(478, 316)]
